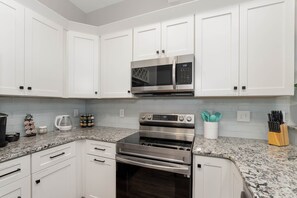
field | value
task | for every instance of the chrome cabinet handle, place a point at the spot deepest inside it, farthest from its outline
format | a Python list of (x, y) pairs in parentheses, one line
[(15, 171), (52, 157)]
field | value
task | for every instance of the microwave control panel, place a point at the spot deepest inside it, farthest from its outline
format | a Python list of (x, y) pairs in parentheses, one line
[(184, 72)]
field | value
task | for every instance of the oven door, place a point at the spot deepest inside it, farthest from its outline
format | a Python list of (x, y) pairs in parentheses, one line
[(156, 75), (144, 178)]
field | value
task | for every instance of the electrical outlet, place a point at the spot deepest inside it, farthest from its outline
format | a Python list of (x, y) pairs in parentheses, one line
[(243, 116), (75, 113), (122, 113)]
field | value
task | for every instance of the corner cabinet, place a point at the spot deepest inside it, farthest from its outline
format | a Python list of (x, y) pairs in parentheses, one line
[(251, 55), (211, 177), (169, 38), (83, 65), (11, 48), (116, 57), (43, 56), (267, 32)]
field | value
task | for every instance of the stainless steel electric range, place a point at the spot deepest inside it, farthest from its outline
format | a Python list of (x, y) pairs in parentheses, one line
[(156, 162)]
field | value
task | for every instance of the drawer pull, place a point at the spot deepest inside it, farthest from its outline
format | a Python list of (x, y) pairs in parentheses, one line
[(19, 197), (100, 149), (52, 157), (101, 161), (17, 170), (37, 181)]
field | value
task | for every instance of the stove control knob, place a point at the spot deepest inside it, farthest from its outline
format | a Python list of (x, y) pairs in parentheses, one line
[(189, 119), (143, 117), (149, 117), (181, 118)]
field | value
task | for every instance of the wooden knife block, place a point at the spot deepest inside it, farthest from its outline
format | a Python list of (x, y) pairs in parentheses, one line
[(279, 139)]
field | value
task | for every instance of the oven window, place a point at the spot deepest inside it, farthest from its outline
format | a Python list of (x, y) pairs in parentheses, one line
[(152, 76), (138, 182)]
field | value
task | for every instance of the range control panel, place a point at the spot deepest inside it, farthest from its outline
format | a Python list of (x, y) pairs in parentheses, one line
[(167, 118)]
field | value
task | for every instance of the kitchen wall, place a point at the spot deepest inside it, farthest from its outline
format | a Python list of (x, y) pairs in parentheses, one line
[(107, 112), (44, 111)]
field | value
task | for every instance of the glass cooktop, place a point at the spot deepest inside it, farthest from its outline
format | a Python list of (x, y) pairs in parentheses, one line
[(154, 142)]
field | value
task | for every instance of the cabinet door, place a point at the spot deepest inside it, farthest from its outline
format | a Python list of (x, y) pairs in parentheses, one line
[(44, 56), (11, 48), (178, 37), (236, 182), (100, 177), (116, 57), (211, 177), (18, 189), (55, 181), (267, 47), (147, 42), (217, 53), (83, 67)]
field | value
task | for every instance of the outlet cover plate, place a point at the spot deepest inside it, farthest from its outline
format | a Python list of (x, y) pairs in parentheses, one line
[(243, 116)]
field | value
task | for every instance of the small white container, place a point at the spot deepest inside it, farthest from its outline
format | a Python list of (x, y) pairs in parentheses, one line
[(211, 130), (42, 129)]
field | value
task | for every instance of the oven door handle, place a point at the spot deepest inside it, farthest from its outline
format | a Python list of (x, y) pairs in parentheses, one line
[(179, 169), (174, 73)]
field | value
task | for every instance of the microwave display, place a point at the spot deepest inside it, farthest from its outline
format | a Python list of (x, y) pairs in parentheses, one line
[(183, 73)]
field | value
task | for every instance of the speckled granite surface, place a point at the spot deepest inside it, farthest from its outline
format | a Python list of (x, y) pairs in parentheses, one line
[(269, 171), (28, 145)]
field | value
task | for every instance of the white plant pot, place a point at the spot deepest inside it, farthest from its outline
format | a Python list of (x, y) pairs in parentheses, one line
[(211, 130)]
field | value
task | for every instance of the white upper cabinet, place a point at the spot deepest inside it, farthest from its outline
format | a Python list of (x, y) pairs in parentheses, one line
[(116, 57), (11, 48), (267, 47), (147, 42), (43, 56), (83, 65), (178, 36), (170, 38), (217, 53)]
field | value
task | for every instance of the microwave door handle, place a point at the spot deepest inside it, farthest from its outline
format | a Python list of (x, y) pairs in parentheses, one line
[(174, 74)]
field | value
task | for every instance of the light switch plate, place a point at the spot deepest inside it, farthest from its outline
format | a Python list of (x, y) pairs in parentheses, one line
[(243, 116)]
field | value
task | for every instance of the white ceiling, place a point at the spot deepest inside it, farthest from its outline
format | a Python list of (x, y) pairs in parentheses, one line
[(91, 5)]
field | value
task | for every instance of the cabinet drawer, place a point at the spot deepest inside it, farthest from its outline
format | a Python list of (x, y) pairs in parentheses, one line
[(50, 157), (14, 170), (102, 149)]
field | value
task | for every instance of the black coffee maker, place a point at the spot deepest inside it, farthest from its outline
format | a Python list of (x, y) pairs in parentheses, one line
[(3, 121)]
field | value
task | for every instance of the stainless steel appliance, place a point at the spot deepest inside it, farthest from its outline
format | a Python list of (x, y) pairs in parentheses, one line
[(3, 121), (173, 75), (156, 161)]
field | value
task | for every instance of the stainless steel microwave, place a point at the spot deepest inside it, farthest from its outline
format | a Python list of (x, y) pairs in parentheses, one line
[(172, 75)]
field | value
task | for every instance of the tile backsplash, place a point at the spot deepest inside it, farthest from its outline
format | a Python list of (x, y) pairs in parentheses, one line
[(107, 112), (44, 111)]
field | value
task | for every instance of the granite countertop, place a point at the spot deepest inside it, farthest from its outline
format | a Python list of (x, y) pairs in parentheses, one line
[(29, 145), (268, 171)]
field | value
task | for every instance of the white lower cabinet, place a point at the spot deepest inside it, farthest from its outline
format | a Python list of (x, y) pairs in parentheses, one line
[(100, 177), (55, 181), (236, 182), (211, 177), (18, 189)]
